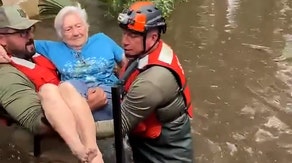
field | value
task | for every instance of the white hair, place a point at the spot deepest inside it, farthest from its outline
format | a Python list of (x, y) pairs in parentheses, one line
[(58, 24)]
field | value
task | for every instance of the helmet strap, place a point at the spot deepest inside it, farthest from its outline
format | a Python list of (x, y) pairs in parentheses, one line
[(145, 52)]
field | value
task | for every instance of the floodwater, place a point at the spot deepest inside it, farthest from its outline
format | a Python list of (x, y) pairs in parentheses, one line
[(237, 55)]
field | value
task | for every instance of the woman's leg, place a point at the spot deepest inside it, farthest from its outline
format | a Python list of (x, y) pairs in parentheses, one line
[(83, 116), (62, 119)]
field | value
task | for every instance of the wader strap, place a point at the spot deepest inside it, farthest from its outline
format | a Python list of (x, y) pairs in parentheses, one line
[(181, 91)]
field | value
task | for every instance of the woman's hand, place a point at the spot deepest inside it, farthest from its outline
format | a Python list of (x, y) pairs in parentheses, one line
[(96, 98), (4, 58)]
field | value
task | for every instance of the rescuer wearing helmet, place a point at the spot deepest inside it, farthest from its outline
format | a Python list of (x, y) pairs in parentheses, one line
[(156, 106)]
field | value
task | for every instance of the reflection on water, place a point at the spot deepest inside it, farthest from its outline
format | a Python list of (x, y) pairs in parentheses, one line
[(287, 51), (232, 6)]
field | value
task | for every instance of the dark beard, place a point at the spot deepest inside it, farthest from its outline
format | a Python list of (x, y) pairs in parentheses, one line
[(130, 56), (25, 54)]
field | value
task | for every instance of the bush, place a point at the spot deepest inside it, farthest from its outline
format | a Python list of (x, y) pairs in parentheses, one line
[(50, 8), (116, 6)]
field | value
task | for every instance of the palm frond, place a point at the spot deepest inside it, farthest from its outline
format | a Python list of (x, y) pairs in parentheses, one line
[(49, 8)]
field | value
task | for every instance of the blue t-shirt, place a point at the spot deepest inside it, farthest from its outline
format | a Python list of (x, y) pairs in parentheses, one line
[(93, 65)]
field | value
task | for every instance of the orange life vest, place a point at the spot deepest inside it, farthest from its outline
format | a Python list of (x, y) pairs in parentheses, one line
[(40, 71), (162, 56)]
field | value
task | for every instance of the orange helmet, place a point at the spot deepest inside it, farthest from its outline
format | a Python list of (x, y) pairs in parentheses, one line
[(142, 16)]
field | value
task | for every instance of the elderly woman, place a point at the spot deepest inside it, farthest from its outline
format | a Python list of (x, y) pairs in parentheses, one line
[(87, 63)]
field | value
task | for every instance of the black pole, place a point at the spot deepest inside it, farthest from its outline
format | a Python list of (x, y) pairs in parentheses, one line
[(37, 145), (116, 100)]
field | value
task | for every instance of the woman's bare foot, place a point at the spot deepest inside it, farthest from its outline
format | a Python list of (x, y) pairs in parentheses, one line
[(81, 153), (91, 153), (98, 158)]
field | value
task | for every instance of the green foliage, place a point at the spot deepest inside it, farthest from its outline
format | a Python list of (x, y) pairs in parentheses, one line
[(49, 8), (166, 6), (116, 6)]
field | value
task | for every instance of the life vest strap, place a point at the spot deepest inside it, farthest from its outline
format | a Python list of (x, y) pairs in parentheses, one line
[(129, 70)]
